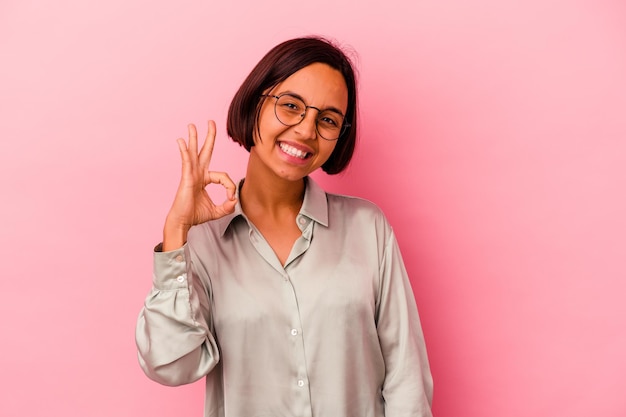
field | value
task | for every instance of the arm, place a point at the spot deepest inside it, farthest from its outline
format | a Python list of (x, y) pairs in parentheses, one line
[(173, 334), (408, 385)]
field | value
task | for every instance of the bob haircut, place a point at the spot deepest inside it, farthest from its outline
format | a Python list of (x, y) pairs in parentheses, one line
[(276, 66)]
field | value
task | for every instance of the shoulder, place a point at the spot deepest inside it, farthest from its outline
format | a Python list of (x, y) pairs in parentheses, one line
[(214, 229), (208, 230), (357, 203), (356, 209), (206, 237)]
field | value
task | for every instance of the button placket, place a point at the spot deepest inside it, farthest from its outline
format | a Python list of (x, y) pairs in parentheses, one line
[(300, 381)]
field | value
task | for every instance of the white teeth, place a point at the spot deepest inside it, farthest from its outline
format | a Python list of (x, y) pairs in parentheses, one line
[(292, 151)]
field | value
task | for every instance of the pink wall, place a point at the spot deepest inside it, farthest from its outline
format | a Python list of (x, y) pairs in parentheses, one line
[(493, 137)]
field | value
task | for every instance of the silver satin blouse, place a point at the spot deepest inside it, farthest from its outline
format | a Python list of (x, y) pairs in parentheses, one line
[(333, 333)]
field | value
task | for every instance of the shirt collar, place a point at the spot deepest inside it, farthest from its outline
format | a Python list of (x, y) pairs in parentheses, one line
[(314, 206)]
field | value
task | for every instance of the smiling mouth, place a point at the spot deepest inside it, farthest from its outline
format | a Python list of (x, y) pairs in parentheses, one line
[(295, 152)]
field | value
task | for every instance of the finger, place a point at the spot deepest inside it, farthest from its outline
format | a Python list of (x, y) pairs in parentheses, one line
[(225, 208), (193, 142), (207, 148), (224, 180), (184, 154)]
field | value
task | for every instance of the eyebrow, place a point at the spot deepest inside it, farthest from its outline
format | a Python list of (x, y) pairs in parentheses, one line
[(296, 95)]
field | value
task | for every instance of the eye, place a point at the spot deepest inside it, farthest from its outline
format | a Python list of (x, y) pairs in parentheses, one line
[(290, 104), (330, 120)]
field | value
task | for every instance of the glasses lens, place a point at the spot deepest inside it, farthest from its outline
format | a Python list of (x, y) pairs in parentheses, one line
[(290, 110), (329, 125)]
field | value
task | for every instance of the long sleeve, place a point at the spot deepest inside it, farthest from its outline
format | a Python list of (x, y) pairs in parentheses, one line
[(174, 339), (408, 385)]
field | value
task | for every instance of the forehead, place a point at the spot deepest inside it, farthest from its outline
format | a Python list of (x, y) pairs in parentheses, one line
[(319, 85)]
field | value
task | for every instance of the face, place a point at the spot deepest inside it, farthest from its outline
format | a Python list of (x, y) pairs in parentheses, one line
[(293, 152)]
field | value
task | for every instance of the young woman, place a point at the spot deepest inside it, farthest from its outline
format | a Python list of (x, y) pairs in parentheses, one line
[(289, 300)]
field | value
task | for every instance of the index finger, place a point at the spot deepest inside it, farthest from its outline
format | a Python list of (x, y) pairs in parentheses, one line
[(224, 180), (207, 148)]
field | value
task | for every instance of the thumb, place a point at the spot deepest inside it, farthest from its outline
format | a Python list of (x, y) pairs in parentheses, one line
[(229, 205)]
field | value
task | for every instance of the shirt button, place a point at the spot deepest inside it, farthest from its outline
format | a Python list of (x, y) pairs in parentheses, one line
[(180, 278), (302, 220), (300, 383), (294, 332), (179, 258)]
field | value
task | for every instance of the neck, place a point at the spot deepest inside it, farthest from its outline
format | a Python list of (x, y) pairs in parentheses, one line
[(270, 195)]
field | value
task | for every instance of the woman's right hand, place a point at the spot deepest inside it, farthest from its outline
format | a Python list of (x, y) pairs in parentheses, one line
[(192, 204)]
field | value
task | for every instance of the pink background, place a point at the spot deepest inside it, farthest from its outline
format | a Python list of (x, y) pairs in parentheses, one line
[(493, 136)]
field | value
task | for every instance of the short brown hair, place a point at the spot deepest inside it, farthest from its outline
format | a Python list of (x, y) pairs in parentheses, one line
[(276, 66)]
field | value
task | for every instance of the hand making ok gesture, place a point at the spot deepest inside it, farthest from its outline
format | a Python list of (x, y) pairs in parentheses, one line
[(192, 204)]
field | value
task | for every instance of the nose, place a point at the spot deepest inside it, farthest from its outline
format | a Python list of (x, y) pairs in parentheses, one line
[(307, 127)]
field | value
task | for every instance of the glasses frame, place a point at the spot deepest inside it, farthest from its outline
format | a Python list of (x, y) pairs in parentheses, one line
[(344, 125)]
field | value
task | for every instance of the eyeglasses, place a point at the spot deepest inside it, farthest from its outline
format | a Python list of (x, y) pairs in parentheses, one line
[(290, 111)]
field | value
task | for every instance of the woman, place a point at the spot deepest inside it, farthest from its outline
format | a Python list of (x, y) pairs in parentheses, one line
[(289, 300)]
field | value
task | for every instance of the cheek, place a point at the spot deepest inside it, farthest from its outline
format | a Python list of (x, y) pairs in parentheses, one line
[(327, 149), (268, 125)]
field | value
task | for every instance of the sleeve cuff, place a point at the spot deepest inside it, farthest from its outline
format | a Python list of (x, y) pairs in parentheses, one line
[(170, 268)]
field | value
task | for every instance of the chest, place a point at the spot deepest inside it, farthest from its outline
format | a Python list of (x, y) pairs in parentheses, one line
[(326, 284)]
